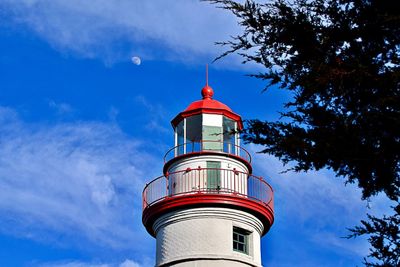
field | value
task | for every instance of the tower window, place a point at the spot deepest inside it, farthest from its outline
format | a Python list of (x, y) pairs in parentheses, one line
[(240, 240)]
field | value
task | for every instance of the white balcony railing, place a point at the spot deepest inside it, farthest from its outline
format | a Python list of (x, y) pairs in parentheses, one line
[(207, 146), (208, 181)]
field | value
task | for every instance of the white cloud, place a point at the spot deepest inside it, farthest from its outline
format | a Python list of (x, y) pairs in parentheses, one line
[(309, 194), (61, 108), (82, 180), (331, 240), (129, 263), (114, 30), (74, 264), (126, 263)]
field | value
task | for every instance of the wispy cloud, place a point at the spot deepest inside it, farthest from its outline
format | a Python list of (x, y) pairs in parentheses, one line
[(309, 194), (74, 264), (115, 30), (317, 208), (126, 263), (82, 180), (60, 108), (156, 115)]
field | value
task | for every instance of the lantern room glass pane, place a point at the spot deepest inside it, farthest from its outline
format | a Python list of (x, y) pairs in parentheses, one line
[(193, 133), (229, 131), (193, 128), (180, 138), (212, 138)]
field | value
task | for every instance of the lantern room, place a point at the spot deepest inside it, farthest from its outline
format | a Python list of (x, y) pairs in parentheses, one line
[(207, 125)]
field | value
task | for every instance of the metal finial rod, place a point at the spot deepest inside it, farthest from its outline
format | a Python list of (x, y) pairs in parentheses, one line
[(207, 74)]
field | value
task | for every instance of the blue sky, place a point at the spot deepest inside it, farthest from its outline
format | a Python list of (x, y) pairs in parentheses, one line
[(82, 129)]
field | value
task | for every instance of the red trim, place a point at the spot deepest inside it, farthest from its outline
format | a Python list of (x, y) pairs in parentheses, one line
[(192, 112), (262, 211), (168, 164)]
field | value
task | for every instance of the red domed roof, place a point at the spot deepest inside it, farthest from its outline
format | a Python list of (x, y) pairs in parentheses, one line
[(208, 106), (207, 103)]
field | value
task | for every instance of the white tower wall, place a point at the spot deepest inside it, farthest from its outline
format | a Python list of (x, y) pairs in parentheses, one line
[(204, 237)]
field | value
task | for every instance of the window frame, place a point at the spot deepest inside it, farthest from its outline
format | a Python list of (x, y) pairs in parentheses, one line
[(246, 240)]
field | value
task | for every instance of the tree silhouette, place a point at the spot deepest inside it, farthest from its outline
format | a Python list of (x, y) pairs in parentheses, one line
[(340, 62), (384, 237)]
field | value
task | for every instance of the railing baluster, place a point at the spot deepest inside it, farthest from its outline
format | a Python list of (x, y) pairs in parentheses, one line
[(220, 181)]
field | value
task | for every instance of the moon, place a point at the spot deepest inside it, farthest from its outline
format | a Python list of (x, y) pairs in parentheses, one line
[(136, 60)]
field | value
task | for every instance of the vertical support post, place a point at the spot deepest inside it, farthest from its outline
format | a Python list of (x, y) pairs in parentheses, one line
[(234, 181), (184, 136), (166, 184), (237, 141), (200, 178), (176, 142)]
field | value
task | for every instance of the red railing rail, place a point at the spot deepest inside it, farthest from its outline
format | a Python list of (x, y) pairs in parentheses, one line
[(208, 181), (204, 145)]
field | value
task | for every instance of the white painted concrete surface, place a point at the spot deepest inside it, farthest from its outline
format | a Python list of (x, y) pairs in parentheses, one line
[(203, 237)]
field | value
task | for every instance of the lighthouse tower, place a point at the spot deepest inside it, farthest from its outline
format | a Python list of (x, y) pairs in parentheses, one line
[(207, 209)]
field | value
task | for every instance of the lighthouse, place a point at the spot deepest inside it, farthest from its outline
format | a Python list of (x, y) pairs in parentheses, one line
[(207, 209)]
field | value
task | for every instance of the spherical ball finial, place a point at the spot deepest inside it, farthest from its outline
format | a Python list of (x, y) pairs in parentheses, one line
[(207, 92)]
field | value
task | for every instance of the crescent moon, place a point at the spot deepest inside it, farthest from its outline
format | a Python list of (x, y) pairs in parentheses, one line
[(136, 60)]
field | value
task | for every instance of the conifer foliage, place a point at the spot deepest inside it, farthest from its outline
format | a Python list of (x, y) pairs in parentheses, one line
[(384, 237), (340, 62)]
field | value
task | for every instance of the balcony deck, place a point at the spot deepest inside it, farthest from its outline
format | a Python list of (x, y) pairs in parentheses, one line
[(207, 187)]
